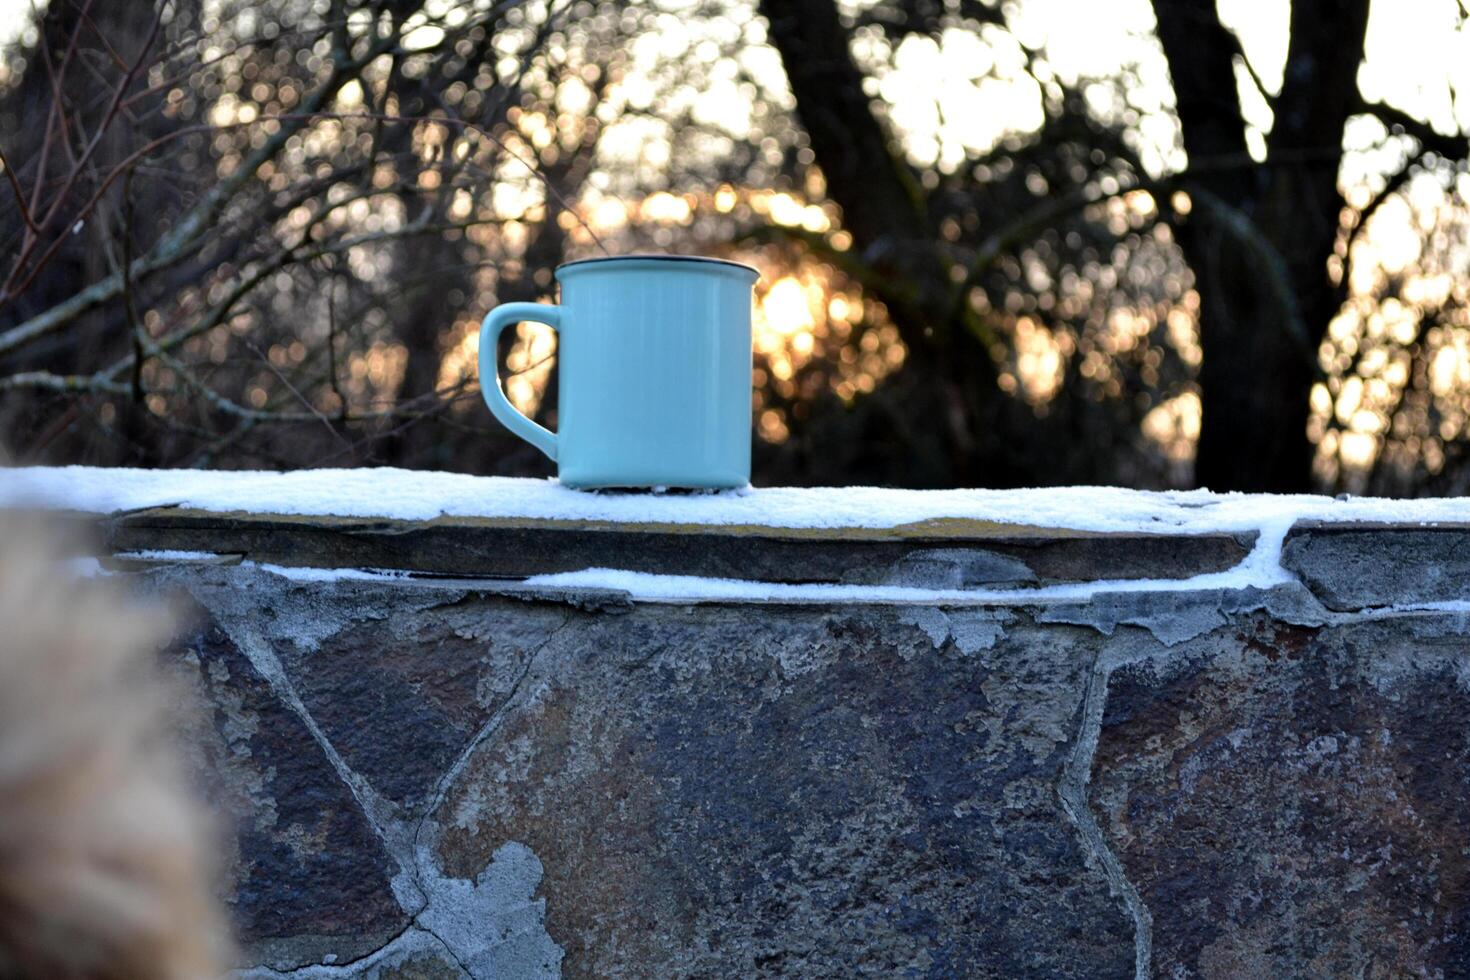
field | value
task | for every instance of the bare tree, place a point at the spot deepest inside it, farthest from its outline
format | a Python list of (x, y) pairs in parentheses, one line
[(266, 216), (1265, 240), (955, 256)]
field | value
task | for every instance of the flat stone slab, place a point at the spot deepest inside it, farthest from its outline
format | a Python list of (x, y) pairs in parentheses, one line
[(932, 554), (1356, 566)]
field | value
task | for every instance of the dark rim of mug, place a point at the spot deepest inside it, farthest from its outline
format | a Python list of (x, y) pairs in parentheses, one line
[(657, 258)]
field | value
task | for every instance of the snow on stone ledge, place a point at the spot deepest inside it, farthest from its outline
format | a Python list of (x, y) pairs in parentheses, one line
[(418, 495)]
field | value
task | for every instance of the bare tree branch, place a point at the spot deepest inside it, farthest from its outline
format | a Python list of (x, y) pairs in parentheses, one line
[(20, 197), (1451, 147)]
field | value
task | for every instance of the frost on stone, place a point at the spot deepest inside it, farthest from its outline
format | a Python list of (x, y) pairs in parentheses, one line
[(495, 925), (973, 631)]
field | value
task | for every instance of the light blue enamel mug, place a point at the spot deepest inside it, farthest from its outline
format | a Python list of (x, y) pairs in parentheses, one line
[(654, 359)]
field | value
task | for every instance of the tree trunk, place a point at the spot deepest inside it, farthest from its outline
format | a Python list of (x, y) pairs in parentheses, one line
[(884, 209), (1260, 235)]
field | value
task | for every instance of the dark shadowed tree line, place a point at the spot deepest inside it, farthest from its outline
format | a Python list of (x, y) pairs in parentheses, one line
[(1259, 235), (260, 234)]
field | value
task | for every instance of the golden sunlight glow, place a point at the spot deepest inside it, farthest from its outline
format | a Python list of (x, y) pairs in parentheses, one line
[(1039, 362), (1358, 449), (373, 375), (460, 361), (1397, 357), (812, 334), (604, 214), (785, 209), (527, 366), (1450, 369), (667, 208), (349, 96), (609, 214), (785, 309), (1173, 426)]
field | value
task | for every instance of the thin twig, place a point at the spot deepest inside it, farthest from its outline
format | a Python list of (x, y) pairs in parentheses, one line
[(45, 220), (20, 197), (130, 309), (294, 391)]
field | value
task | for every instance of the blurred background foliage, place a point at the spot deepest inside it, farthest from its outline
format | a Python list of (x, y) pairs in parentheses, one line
[(1018, 243)]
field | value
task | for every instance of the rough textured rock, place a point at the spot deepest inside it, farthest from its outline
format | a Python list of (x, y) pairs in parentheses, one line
[(1357, 566), (474, 779), (309, 877), (1295, 802), (401, 697), (813, 792)]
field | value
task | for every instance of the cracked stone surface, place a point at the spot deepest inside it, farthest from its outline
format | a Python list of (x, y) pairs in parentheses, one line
[(475, 780), (816, 792), (309, 876), (400, 698), (1295, 802), (413, 955)]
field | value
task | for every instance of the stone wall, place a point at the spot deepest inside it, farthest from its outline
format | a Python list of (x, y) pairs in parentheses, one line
[(458, 774)]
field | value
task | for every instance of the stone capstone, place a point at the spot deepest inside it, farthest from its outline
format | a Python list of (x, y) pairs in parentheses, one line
[(1357, 566), (932, 554)]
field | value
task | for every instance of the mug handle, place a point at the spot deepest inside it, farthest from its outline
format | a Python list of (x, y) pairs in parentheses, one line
[(495, 322)]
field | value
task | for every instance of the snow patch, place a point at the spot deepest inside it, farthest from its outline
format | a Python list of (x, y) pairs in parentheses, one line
[(1260, 569), (418, 495), (165, 554), (972, 631), (305, 574)]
